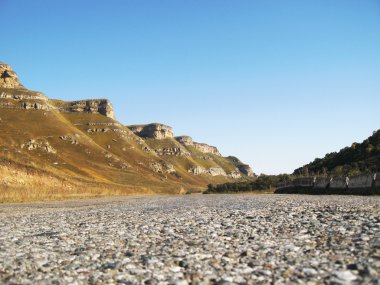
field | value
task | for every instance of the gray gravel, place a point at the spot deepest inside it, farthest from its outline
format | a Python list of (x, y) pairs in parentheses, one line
[(209, 239)]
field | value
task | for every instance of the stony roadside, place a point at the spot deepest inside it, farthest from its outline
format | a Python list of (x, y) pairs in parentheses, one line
[(195, 239)]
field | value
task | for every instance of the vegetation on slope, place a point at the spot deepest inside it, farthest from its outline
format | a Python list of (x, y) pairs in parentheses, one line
[(86, 163), (309, 190), (263, 183), (349, 161)]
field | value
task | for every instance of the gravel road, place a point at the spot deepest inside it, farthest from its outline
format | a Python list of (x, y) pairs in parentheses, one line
[(194, 239)]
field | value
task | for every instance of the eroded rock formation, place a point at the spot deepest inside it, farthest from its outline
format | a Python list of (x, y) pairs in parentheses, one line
[(101, 106), (162, 167), (153, 131), (14, 95), (202, 147), (197, 170), (213, 171), (8, 78), (175, 151), (154, 139), (41, 144), (245, 169), (205, 148), (185, 140)]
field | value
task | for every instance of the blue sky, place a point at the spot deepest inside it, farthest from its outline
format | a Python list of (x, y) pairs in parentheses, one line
[(276, 83)]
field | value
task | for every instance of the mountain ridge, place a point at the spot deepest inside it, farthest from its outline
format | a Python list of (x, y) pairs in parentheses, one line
[(349, 161), (81, 140)]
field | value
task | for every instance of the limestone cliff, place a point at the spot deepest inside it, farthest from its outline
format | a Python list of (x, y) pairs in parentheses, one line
[(184, 146), (202, 147), (153, 131), (185, 140), (205, 148), (82, 139), (16, 96), (8, 78), (93, 106), (243, 168)]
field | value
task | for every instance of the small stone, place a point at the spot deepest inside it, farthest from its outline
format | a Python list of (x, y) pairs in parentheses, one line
[(343, 278), (309, 272)]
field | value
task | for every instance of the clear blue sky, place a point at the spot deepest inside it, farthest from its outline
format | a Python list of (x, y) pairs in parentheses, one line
[(276, 83)]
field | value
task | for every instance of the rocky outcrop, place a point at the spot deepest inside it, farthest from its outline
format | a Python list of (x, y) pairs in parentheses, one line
[(246, 170), (235, 174), (158, 154), (105, 130), (197, 170), (100, 106), (14, 95), (8, 78), (21, 94), (216, 171), (243, 168), (202, 147), (175, 151), (69, 139), (213, 171), (162, 168), (153, 131), (205, 148), (185, 140), (35, 144)]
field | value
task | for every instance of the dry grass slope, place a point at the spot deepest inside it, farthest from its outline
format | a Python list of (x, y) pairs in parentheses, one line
[(94, 164)]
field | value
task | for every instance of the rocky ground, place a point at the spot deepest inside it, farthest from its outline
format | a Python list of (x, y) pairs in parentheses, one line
[(209, 239)]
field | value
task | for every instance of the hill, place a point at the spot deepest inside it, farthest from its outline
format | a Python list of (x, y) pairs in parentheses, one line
[(52, 149), (349, 161)]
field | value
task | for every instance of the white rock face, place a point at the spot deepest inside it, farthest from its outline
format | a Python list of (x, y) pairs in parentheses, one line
[(8, 78), (244, 169), (213, 171), (175, 151), (235, 174), (216, 171), (153, 131), (205, 148), (93, 106), (23, 98), (197, 170), (163, 168), (35, 144), (185, 140), (202, 147)]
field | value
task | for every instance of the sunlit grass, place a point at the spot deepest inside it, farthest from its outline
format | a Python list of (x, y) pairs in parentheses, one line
[(17, 185)]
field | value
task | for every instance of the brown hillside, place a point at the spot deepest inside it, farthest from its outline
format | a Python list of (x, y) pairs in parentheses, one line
[(51, 149)]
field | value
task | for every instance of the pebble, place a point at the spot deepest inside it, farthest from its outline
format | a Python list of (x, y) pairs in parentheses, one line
[(193, 239)]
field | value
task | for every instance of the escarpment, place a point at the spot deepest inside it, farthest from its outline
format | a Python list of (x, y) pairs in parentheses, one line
[(82, 140), (15, 96), (153, 131), (93, 106), (208, 158), (8, 78), (202, 147), (245, 169)]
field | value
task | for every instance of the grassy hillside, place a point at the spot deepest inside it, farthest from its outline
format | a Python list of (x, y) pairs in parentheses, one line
[(89, 155), (51, 149), (358, 158)]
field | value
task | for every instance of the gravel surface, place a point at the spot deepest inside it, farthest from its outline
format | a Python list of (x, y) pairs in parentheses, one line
[(195, 239)]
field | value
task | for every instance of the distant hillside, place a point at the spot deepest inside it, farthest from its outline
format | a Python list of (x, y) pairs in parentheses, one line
[(78, 148), (358, 158)]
